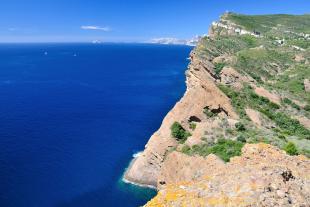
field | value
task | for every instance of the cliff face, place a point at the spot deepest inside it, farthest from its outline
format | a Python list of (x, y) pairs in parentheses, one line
[(201, 93), (247, 83)]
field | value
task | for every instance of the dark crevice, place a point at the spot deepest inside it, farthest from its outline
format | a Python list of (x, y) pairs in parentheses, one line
[(219, 110), (194, 118), (162, 182), (287, 175), (216, 77)]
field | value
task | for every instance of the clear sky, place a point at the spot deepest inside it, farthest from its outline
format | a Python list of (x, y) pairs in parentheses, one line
[(120, 20)]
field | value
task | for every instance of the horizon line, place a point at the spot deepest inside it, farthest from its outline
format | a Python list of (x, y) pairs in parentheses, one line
[(88, 42)]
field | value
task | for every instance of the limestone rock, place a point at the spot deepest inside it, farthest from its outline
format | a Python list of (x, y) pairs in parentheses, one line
[(262, 176), (271, 96), (179, 167), (299, 58), (307, 85), (254, 116), (201, 92)]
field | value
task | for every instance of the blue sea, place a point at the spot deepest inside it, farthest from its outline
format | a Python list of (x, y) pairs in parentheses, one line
[(73, 115)]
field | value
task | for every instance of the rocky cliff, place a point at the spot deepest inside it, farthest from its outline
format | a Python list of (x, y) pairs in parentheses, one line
[(201, 93), (247, 83), (262, 176)]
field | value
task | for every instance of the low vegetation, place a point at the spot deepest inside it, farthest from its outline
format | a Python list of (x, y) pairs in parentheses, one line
[(240, 127), (291, 149), (291, 82), (262, 62), (277, 58), (267, 23), (178, 132), (209, 113), (290, 103), (248, 98), (218, 67), (192, 125), (224, 148)]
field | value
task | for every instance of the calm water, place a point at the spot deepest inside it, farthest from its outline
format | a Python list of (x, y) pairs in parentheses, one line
[(72, 116)]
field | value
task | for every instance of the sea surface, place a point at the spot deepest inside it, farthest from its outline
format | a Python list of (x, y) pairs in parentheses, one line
[(73, 115)]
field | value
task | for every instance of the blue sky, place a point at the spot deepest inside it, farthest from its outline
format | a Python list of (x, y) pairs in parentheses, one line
[(123, 21)]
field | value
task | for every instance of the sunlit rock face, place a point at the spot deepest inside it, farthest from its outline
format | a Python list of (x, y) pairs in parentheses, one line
[(247, 82), (262, 176)]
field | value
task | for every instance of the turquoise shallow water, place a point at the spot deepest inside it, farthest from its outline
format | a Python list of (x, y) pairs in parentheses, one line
[(72, 116)]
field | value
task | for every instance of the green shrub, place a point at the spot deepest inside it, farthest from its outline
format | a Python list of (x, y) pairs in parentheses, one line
[(307, 107), (247, 97), (250, 40), (178, 132), (218, 67), (295, 106), (291, 126), (241, 138), (229, 131), (240, 127), (186, 149), (237, 99), (224, 148), (281, 136), (192, 126), (291, 103), (291, 149), (209, 113), (287, 101), (255, 76)]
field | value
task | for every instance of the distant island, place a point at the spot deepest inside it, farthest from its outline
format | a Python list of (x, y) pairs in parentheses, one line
[(240, 135)]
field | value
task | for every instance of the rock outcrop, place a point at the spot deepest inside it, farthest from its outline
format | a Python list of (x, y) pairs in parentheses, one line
[(201, 92), (179, 167), (271, 96), (262, 176)]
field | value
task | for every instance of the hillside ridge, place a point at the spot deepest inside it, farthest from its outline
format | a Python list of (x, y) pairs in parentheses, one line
[(248, 82)]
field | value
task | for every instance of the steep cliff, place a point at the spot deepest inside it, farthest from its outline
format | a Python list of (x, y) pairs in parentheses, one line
[(247, 83), (201, 92)]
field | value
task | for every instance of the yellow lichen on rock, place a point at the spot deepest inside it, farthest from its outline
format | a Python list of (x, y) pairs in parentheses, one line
[(262, 176)]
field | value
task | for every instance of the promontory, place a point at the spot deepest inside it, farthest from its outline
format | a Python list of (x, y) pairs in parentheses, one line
[(240, 135)]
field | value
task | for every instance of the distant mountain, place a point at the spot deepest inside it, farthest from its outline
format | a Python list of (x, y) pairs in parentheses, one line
[(96, 41), (176, 41)]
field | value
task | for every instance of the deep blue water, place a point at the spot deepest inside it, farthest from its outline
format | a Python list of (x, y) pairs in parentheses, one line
[(71, 119)]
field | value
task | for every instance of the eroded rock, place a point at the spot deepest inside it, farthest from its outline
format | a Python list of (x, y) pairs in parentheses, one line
[(254, 116), (201, 92), (262, 176), (265, 93)]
